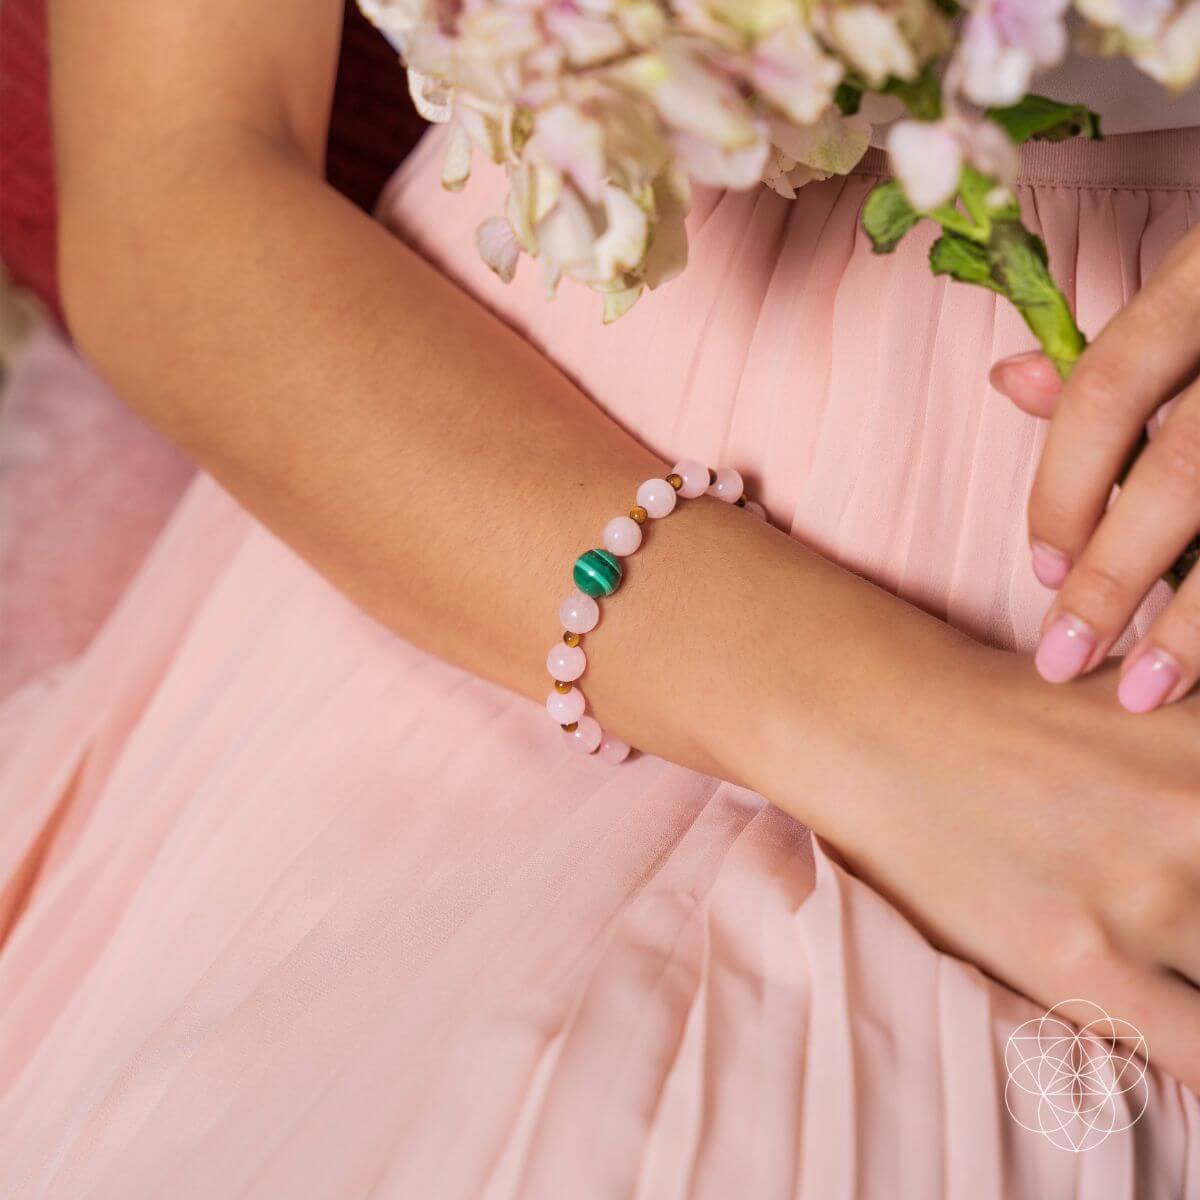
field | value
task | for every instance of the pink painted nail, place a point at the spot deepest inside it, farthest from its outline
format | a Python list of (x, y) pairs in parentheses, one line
[(1065, 650), (1147, 684), (1050, 566)]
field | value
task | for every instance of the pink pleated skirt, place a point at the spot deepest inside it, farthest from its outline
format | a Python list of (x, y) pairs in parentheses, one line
[(273, 928)]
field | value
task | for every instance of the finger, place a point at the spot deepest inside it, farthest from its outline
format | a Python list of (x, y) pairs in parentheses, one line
[(1144, 355), (1165, 665), (1153, 518), (1151, 1001), (1159, 920), (1030, 381)]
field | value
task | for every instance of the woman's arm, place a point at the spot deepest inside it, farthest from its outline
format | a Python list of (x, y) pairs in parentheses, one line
[(408, 443), (444, 475)]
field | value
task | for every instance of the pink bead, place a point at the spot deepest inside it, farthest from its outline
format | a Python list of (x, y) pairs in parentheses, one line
[(585, 737), (566, 662), (579, 613), (729, 485), (657, 497), (756, 509), (695, 478), (566, 707), (622, 536), (612, 749)]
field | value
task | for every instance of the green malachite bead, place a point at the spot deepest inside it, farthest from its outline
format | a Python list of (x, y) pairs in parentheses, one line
[(597, 573)]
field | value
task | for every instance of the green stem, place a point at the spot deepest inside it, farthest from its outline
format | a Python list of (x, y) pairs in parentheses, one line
[(984, 241), (1019, 268)]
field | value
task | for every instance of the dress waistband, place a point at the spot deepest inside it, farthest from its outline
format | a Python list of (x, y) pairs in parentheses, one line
[(1160, 160)]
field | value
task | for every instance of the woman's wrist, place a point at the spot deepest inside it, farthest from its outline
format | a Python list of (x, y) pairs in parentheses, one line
[(847, 699), (734, 650)]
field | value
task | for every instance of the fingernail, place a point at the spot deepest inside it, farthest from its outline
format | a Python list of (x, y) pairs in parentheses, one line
[(1035, 368), (1050, 566), (1065, 650), (1147, 684)]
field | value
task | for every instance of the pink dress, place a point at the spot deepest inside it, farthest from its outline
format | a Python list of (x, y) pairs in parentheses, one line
[(273, 927)]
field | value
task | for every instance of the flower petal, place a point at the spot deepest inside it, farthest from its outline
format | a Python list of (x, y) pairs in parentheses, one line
[(927, 159), (622, 245), (456, 164), (498, 247)]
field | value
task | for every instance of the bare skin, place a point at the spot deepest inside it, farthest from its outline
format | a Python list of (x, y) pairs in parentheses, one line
[(412, 448), (1102, 559)]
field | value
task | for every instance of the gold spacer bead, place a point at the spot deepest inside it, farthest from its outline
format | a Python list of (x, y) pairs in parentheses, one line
[(639, 514), (712, 477), (572, 639), (574, 725), (676, 481), (560, 686)]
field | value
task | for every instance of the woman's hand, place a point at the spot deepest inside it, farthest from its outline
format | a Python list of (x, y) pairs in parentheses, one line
[(1050, 838), (1103, 563)]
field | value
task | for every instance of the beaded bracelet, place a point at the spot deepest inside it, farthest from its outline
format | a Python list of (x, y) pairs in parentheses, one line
[(598, 573)]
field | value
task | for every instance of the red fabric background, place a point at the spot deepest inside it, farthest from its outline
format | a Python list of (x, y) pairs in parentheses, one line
[(372, 127)]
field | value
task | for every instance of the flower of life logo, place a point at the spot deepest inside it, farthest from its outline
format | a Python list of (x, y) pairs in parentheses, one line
[(1089, 1080)]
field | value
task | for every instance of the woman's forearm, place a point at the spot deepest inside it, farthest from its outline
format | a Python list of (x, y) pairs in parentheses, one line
[(443, 474)]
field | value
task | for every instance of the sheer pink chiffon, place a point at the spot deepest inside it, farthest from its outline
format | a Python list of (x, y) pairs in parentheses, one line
[(295, 910), (85, 489)]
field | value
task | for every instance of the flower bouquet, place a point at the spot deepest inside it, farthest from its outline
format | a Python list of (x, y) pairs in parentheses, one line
[(604, 111)]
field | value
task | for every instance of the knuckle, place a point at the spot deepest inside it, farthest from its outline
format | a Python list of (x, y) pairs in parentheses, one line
[(1157, 900), (1086, 951), (1104, 590), (1053, 518), (1095, 394), (1176, 457)]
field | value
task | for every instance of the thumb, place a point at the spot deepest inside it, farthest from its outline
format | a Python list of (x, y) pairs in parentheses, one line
[(1029, 381)]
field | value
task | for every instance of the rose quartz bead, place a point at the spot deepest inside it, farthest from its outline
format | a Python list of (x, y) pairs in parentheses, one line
[(566, 707), (753, 506), (695, 478), (657, 497), (622, 536), (729, 485), (612, 749), (566, 662), (579, 613), (585, 737)]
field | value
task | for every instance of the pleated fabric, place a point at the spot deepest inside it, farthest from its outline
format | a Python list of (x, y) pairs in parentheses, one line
[(274, 928)]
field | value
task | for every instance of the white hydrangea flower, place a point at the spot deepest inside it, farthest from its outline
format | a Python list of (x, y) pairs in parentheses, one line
[(928, 157), (600, 111), (1005, 42)]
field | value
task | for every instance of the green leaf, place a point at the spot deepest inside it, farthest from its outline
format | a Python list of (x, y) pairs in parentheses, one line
[(1038, 118), (921, 96), (962, 259), (848, 98), (888, 216), (951, 219), (985, 200)]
